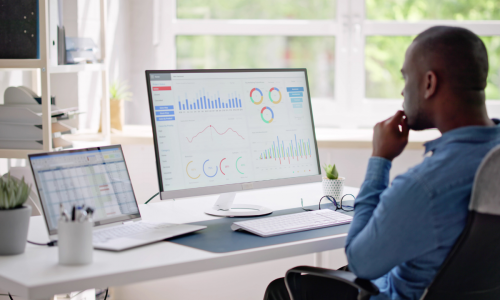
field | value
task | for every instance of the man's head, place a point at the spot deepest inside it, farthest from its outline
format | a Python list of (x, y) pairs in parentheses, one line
[(445, 68)]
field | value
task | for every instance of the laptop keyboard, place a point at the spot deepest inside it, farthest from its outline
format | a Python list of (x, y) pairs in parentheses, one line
[(106, 234)]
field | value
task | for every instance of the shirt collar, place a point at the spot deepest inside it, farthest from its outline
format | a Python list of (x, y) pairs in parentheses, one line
[(466, 134)]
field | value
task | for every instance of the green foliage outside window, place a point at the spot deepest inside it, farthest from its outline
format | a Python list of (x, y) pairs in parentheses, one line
[(256, 9), (415, 10), (384, 57)]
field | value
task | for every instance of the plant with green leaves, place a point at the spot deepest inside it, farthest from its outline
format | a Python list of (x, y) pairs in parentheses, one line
[(331, 171), (13, 192), (120, 91)]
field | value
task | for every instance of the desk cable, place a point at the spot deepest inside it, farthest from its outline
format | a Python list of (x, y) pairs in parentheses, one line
[(50, 244), (8, 294), (151, 198)]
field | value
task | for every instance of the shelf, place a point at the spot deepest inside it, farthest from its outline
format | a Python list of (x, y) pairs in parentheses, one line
[(17, 153), (20, 63), (75, 68)]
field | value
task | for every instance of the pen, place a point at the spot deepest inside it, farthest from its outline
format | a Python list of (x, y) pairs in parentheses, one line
[(64, 214), (73, 213), (82, 215), (90, 212)]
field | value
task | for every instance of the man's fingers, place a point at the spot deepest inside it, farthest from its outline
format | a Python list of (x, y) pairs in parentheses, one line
[(397, 118), (404, 127)]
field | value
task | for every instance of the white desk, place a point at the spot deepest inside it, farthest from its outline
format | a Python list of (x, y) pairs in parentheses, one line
[(37, 275)]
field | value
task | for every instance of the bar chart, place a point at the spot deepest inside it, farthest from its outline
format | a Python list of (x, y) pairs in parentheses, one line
[(203, 102), (279, 151)]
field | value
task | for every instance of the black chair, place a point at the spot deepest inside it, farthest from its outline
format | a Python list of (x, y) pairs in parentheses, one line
[(471, 270)]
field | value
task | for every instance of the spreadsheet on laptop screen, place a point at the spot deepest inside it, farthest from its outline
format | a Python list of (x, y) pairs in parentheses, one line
[(96, 178)]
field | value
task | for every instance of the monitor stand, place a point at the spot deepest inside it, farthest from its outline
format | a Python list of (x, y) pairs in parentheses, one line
[(224, 208)]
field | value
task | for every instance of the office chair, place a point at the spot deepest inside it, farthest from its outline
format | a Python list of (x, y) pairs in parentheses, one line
[(471, 270)]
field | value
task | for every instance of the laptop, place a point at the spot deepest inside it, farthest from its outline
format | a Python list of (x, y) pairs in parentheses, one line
[(97, 177)]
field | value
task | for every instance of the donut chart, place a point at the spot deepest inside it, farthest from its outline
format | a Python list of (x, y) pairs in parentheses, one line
[(262, 114), (261, 96), (220, 166), (187, 172), (237, 166), (216, 169), (270, 98)]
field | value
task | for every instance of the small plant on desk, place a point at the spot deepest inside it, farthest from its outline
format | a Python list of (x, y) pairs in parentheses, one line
[(333, 185), (14, 215)]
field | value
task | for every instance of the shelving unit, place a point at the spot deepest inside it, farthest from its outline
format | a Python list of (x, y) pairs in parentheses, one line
[(44, 66)]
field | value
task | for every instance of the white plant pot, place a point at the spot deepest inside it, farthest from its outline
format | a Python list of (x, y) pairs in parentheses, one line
[(334, 187), (14, 225)]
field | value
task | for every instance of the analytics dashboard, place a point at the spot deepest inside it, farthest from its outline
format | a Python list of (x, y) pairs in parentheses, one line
[(232, 127)]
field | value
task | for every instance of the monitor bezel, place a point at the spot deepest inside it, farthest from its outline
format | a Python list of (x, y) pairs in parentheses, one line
[(96, 223), (234, 187)]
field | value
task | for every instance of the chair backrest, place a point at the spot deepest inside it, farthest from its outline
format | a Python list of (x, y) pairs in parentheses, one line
[(472, 269)]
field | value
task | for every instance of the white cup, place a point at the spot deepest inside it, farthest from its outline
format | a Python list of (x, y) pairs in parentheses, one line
[(75, 243)]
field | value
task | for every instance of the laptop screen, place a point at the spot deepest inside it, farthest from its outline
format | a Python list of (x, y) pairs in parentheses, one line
[(95, 177)]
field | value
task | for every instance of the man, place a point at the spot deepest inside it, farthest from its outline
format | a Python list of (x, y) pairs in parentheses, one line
[(401, 234)]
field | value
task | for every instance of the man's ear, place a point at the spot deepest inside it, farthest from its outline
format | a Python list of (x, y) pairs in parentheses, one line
[(430, 84)]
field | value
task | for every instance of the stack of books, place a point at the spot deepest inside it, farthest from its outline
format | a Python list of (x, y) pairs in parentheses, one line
[(21, 121)]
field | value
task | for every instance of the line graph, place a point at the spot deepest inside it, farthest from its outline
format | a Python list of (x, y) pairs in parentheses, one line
[(212, 129)]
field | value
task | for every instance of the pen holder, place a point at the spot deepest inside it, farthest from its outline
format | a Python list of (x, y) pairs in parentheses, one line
[(75, 243)]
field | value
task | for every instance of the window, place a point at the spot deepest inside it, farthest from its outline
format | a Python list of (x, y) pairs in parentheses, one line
[(353, 49)]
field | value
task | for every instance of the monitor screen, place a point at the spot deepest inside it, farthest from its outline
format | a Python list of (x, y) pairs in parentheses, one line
[(96, 177), (223, 127)]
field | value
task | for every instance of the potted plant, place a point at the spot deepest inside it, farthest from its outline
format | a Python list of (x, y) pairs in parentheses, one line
[(14, 215), (333, 185), (119, 93)]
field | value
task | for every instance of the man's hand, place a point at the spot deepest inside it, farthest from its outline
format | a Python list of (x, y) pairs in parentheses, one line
[(390, 136)]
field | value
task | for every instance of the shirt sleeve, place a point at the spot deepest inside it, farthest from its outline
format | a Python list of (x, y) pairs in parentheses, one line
[(391, 225)]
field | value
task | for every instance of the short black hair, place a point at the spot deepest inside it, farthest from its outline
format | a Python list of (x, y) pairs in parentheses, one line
[(460, 52)]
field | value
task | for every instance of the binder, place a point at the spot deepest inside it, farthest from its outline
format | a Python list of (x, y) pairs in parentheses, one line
[(19, 29)]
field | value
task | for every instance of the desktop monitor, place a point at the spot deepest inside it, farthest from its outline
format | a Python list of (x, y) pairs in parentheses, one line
[(227, 131)]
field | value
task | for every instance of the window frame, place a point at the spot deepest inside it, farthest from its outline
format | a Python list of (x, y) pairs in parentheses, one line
[(350, 108)]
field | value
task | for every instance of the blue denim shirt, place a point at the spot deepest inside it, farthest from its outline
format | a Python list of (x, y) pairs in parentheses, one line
[(401, 234)]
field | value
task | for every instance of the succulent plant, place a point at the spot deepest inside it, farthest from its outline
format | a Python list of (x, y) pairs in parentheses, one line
[(13, 192), (331, 171)]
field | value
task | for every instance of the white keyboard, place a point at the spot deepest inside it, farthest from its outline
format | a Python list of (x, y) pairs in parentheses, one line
[(293, 222), (124, 230)]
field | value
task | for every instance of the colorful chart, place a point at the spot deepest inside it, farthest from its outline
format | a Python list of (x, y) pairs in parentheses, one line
[(204, 103), (216, 131), (216, 169), (262, 114), (261, 96), (220, 166), (187, 171), (291, 151), (237, 166), (270, 98)]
